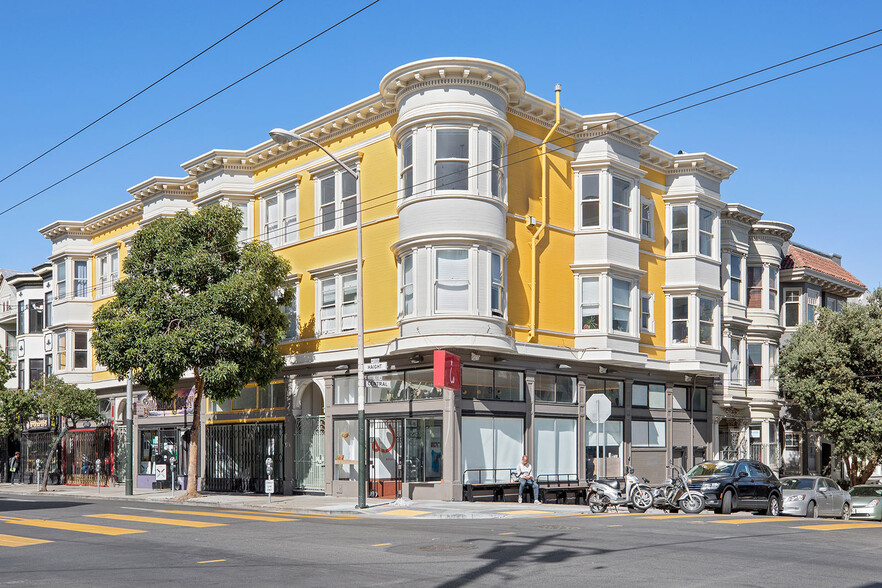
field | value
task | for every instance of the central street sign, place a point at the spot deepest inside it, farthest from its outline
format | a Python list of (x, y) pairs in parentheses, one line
[(598, 408)]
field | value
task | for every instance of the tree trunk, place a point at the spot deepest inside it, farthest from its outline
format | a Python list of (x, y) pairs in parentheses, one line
[(859, 475), (193, 455), (51, 456)]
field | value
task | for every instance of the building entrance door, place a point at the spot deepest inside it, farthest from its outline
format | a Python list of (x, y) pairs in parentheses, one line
[(386, 463), (309, 453)]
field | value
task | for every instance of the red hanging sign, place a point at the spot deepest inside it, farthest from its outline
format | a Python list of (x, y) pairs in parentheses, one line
[(448, 370)]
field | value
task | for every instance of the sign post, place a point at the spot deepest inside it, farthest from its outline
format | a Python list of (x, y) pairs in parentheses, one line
[(270, 484), (598, 409)]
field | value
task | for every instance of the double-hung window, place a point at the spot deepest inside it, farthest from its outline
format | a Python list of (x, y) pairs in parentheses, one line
[(735, 362), (61, 350), (108, 272), (407, 167), (773, 360), (679, 229), (337, 201), (590, 200), (452, 159), (337, 311), (646, 210), (734, 277), (81, 279), (647, 324), (497, 285), (621, 305), (706, 311), (621, 204), (452, 292), (590, 303), (81, 350), (705, 231), (754, 364), (244, 230), (291, 312), (280, 218), (35, 316), (497, 175), (773, 288), (680, 319), (407, 303), (791, 308), (812, 303), (754, 286), (22, 314), (61, 280), (48, 310)]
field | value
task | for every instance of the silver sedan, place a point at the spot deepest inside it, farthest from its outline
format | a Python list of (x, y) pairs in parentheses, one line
[(814, 496)]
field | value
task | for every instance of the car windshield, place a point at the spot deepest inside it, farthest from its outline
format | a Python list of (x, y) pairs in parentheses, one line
[(797, 483), (712, 468), (866, 491)]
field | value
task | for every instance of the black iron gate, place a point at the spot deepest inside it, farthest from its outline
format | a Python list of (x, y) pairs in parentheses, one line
[(386, 465), (235, 456)]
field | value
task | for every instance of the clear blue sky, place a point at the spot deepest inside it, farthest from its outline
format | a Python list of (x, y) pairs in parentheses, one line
[(807, 148)]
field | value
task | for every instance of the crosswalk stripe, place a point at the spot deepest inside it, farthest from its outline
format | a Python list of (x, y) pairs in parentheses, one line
[(267, 519), (754, 520), (65, 526), (838, 526), (13, 541), (156, 520)]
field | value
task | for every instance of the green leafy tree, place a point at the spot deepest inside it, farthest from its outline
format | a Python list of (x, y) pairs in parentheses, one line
[(194, 302), (16, 408), (832, 370), (71, 405), (7, 370)]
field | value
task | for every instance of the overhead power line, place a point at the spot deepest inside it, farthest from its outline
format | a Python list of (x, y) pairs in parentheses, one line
[(139, 92), (183, 112)]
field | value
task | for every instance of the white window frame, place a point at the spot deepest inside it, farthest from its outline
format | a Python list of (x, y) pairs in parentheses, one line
[(787, 303), (712, 322), (649, 299), (686, 320), (246, 232), (468, 282), (762, 359), (107, 277), (497, 167), (629, 207), (675, 229), (613, 305), (406, 183), (772, 289), (84, 288), (61, 281), (736, 282), (336, 178), (497, 285), (735, 361), (295, 305), (773, 362), (278, 232), (76, 349), (647, 214), (583, 305), (467, 160), (406, 286), (340, 314), (710, 235), (594, 200), (812, 304)]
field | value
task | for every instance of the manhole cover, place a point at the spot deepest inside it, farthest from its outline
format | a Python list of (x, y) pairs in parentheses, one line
[(441, 547), (558, 527)]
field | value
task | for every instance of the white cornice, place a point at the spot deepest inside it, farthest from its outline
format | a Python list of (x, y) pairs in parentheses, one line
[(702, 163), (98, 223), (772, 229), (164, 185), (741, 213)]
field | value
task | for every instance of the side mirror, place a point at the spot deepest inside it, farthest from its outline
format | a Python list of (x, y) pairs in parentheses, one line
[(742, 475)]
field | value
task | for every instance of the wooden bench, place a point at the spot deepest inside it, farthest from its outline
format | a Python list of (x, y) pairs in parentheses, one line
[(492, 484), (561, 486)]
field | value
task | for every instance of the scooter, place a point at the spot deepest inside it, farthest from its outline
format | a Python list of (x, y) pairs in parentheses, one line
[(675, 494), (627, 491)]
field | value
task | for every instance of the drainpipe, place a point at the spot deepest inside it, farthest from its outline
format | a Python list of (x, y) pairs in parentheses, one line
[(537, 236)]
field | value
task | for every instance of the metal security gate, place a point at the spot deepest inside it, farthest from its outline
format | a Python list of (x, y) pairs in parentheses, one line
[(386, 463), (309, 453), (81, 449), (235, 456)]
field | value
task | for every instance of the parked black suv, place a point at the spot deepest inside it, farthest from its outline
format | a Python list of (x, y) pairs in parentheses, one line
[(737, 485)]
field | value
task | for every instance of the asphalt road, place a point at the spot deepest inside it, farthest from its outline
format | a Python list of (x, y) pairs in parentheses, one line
[(44, 540)]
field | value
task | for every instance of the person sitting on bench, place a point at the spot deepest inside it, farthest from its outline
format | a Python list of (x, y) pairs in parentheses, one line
[(524, 473)]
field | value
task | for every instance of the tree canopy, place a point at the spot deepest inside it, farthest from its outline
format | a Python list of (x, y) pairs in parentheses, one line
[(7, 369), (832, 370), (194, 300), (16, 408)]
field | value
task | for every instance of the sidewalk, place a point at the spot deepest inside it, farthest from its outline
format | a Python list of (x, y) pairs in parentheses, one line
[(307, 504)]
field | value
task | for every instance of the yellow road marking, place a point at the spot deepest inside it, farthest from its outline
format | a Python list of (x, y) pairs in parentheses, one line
[(517, 512), (298, 515), (754, 520), (509, 533), (13, 541), (837, 526), (613, 525), (64, 526), (380, 544), (228, 516), (405, 512), (211, 561), (678, 516), (156, 520), (599, 516)]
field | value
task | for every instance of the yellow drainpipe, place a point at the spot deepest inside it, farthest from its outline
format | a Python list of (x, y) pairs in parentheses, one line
[(537, 236)]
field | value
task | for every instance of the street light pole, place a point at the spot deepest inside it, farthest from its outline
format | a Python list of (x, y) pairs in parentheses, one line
[(129, 464), (283, 137)]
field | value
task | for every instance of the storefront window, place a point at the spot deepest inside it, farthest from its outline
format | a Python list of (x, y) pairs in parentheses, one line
[(555, 388), (247, 399), (648, 433), (420, 384), (423, 450), (610, 440), (345, 389), (648, 395), (613, 389), (346, 449), (272, 396), (387, 387), (487, 384), (555, 446)]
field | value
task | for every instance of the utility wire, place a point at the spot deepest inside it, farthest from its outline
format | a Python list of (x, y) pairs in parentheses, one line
[(138, 93), (183, 112)]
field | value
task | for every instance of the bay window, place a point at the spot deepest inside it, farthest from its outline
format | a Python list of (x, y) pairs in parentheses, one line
[(754, 364), (680, 319), (245, 229), (773, 360), (680, 229), (590, 200), (81, 279), (452, 291), (706, 231), (406, 174), (735, 362), (35, 316), (452, 159), (754, 286), (81, 350), (280, 218), (734, 277), (621, 204), (590, 304), (108, 272), (497, 285), (496, 169), (337, 201), (61, 350), (647, 323), (646, 210), (47, 310), (706, 311), (773, 288), (621, 305), (406, 292), (61, 280)]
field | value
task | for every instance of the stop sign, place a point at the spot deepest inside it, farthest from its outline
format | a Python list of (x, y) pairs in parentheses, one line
[(598, 408)]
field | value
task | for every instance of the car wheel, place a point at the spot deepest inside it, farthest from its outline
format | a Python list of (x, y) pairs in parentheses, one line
[(846, 512), (774, 506), (727, 502), (811, 511)]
